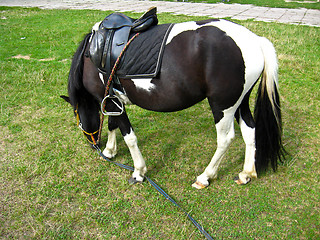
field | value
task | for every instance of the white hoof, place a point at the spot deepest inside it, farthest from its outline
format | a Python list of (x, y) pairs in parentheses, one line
[(241, 182), (109, 153), (202, 181), (244, 178), (199, 185), (138, 175), (133, 181)]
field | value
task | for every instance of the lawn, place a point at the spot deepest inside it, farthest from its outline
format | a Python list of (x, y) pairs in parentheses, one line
[(53, 186)]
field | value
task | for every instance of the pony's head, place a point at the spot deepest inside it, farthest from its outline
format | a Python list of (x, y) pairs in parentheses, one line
[(85, 107), (87, 118)]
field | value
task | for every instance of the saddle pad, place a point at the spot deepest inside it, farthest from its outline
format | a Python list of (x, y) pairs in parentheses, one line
[(142, 59)]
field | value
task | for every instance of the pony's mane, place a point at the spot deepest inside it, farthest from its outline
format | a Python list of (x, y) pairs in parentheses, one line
[(75, 85)]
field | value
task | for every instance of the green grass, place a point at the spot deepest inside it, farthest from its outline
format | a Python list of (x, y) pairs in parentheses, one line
[(310, 4), (53, 186)]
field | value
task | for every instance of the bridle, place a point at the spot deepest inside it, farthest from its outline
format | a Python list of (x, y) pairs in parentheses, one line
[(90, 136)]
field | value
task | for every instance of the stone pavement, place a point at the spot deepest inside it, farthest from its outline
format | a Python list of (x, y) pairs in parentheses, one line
[(301, 16)]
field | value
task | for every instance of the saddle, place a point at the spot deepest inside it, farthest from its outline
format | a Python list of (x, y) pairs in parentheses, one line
[(112, 35)]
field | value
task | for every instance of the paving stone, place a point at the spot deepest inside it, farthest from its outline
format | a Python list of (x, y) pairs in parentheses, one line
[(302, 16)]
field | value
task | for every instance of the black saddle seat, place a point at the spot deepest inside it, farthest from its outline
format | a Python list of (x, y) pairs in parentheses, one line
[(108, 41)]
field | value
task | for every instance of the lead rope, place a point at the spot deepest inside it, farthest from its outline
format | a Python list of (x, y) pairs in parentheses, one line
[(160, 190), (115, 66)]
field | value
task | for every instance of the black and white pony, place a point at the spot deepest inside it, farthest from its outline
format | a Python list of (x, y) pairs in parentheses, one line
[(214, 59)]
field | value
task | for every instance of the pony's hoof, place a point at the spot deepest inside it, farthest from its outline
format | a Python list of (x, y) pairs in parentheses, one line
[(109, 153), (198, 185), (133, 181), (239, 182)]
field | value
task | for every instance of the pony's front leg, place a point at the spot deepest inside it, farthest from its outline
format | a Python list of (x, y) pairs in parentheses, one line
[(123, 123), (139, 164), (111, 147), (130, 138)]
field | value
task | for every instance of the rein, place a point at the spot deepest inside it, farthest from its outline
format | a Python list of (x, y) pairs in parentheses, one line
[(115, 66), (95, 143), (160, 190)]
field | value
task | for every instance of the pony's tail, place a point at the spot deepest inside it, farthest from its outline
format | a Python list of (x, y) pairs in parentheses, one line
[(269, 148), (75, 84)]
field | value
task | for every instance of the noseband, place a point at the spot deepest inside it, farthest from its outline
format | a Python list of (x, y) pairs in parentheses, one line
[(88, 135)]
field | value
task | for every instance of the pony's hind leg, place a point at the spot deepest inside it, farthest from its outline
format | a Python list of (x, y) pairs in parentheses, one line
[(249, 170), (225, 133), (247, 126)]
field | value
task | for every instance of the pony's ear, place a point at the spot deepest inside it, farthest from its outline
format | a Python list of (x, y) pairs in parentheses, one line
[(66, 98)]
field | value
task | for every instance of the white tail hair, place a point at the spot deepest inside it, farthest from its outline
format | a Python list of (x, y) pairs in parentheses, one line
[(270, 72)]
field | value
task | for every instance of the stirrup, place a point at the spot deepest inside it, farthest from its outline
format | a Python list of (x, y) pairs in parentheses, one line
[(104, 112)]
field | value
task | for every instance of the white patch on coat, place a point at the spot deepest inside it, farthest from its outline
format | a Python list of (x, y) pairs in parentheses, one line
[(101, 78), (144, 83), (96, 26), (181, 27)]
